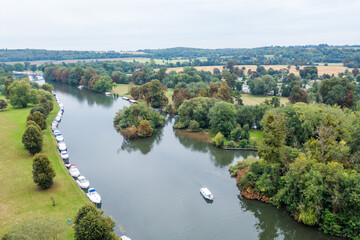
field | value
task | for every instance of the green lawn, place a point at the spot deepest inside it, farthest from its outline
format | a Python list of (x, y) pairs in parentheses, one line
[(256, 135), (254, 100), (123, 90), (20, 197)]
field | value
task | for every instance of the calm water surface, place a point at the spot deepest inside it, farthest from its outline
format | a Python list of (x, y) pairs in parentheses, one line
[(151, 186)]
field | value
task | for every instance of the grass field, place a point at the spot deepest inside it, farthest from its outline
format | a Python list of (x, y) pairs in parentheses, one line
[(253, 100), (123, 90), (20, 197), (331, 69), (256, 135)]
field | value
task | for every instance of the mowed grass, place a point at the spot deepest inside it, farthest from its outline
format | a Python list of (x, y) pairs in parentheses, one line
[(256, 135), (254, 100), (123, 90), (20, 197)]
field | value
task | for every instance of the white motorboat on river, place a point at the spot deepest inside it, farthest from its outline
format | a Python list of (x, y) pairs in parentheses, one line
[(59, 138), (62, 146), (83, 182), (64, 155), (93, 196), (74, 171), (206, 193)]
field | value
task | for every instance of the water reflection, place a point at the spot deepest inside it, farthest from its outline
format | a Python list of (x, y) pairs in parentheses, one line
[(85, 95), (273, 223), (220, 157)]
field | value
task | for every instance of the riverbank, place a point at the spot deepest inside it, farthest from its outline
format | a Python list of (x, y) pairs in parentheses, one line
[(21, 198)]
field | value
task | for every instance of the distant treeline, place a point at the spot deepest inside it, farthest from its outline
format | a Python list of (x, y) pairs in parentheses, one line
[(13, 55), (294, 55)]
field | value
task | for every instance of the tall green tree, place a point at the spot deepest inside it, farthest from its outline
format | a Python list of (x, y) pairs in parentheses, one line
[(338, 91), (21, 95), (43, 171), (223, 118), (32, 139), (274, 139), (157, 94)]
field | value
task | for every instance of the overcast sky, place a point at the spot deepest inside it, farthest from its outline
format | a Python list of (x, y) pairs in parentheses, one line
[(139, 24)]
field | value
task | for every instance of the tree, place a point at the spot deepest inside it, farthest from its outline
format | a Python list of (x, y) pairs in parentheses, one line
[(157, 94), (75, 75), (230, 79), (309, 71), (104, 84), (180, 95), (39, 118), (224, 92), (223, 118), (90, 224), (337, 91), (219, 140), (144, 129), (298, 95), (21, 95), (32, 139), (43, 171), (3, 104), (274, 139), (18, 67), (47, 87)]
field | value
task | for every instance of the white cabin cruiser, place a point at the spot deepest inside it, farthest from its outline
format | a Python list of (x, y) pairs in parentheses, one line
[(58, 119), (107, 93), (83, 182), (59, 138), (93, 196), (206, 193), (64, 155), (125, 98), (74, 172), (62, 146)]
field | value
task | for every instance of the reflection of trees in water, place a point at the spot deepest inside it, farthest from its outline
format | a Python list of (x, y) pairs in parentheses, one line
[(144, 145), (85, 95), (273, 223), (220, 157)]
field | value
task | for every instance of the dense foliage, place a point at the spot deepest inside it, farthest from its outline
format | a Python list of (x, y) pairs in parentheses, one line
[(21, 94), (309, 165), (32, 139), (91, 224), (130, 120), (43, 171)]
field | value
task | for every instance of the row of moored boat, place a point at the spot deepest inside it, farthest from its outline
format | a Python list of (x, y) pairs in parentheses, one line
[(81, 181)]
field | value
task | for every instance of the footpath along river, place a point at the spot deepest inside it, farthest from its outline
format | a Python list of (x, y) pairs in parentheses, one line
[(151, 186)]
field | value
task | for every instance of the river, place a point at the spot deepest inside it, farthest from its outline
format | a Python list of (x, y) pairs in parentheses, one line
[(151, 186)]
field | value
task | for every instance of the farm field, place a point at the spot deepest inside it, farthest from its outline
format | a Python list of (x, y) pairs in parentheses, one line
[(253, 100), (21, 199), (331, 69)]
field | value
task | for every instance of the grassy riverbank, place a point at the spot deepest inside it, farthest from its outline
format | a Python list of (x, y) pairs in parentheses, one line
[(20, 197)]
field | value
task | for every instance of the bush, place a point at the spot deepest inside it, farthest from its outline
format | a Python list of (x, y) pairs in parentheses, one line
[(194, 126), (43, 172), (32, 139), (39, 118), (129, 133), (3, 104), (47, 87), (231, 144), (236, 134), (243, 143), (144, 129), (219, 140), (40, 109), (32, 123), (90, 224)]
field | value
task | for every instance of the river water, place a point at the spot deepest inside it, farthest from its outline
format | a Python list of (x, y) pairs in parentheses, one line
[(151, 186)]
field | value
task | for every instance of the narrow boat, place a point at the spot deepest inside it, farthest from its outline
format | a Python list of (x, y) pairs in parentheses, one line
[(125, 98), (107, 93), (80, 87), (206, 193), (74, 171), (93, 196), (132, 101), (83, 182)]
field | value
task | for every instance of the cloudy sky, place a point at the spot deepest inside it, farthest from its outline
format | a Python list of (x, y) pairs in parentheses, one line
[(139, 24)]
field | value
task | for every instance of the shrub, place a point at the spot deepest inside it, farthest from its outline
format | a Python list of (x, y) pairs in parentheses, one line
[(40, 109), (144, 129), (39, 118), (231, 144), (219, 140), (47, 87), (3, 104), (236, 134), (32, 123), (194, 126), (129, 133), (43, 172), (32, 139), (243, 143)]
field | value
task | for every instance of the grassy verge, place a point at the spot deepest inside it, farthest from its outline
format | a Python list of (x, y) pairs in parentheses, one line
[(123, 90), (254, 100), (20, 197), (256, 135)]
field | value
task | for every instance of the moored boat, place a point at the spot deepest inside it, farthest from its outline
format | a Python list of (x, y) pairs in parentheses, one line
[(206, 193), (83, 182), (93, 196), (74, 171)]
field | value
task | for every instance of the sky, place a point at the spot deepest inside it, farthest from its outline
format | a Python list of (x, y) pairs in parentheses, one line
[(126, 25)]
